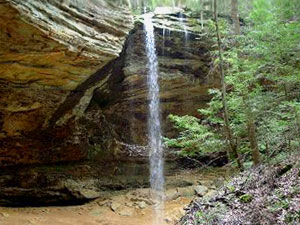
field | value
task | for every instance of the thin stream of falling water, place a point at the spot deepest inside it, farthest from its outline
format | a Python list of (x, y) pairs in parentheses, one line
[(182, 21), (154, 128), (164, 34)]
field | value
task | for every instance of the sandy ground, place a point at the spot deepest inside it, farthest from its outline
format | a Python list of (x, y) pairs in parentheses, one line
[(89, 214), (100, 212)]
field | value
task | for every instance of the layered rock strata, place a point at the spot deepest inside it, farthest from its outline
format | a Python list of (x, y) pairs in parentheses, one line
[(49, 50), (185, 75)]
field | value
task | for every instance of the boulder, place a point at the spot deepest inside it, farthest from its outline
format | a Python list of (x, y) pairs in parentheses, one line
[(171, 194), (200, 190), (126, 211), (142, 205), (186, 191), (115, 206)]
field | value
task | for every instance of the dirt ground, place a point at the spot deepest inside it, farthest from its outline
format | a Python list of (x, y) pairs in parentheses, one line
[(132, 207), (89, 214)]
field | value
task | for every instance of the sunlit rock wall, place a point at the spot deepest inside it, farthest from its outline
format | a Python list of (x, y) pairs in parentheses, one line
[(47, 49)]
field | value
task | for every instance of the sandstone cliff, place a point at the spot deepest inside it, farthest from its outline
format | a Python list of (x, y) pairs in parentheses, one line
[(74, 102), (49, 48)]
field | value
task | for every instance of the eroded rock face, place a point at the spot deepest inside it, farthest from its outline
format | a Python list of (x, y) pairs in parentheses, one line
[(185, 75), (48, 49), (59, 43)]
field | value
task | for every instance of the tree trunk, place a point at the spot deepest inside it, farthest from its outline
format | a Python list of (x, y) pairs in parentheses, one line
[(251, 127), (253, 141), (235, 16), (230, 139), (129, 4)]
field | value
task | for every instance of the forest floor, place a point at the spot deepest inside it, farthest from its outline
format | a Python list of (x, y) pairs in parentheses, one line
[(131, 207), (265, 195)]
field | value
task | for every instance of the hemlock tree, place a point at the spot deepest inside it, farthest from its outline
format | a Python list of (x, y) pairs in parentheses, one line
[(262, 80), (232, 144)]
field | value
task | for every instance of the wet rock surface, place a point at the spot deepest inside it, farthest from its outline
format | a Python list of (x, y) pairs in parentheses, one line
[(185, 75)]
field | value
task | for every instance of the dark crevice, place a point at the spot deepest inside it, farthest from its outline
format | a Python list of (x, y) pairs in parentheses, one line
[(115, 88), (113, 67), (31, 199)]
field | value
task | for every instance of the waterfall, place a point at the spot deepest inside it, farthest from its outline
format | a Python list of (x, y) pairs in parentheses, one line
[(164, 34), (154, 129), (182, 21)]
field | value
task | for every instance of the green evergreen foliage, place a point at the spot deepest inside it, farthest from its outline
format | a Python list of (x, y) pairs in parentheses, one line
[(262, 78), (152, 4), (195, 138), (138, 6)]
